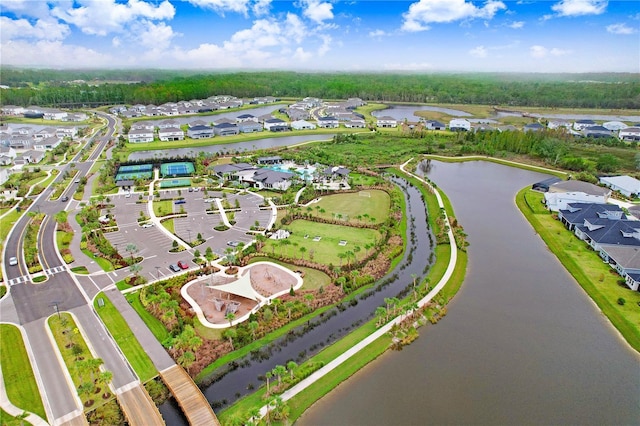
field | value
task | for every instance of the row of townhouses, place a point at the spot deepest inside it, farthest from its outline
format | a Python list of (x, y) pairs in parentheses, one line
[(21, 144), (44, 113), (579, 128)]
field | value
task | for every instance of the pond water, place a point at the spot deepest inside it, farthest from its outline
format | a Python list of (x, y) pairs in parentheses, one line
[(521, 343), (402, 112), (240, 147), (308, 340)]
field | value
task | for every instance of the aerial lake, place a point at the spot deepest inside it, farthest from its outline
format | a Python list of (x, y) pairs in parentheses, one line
[(522, 343)]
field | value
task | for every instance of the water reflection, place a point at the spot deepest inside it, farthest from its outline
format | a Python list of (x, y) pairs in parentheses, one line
[(521, 344)]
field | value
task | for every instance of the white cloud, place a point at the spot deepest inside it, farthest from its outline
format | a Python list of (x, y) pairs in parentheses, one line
[(621, 29), (377, 33), (326, 45), (35, 9), (294, 27), (580, 7), (48, 29), (154, 36), (115, 42), (516, 25), (221, 6), (107, 16), (301, 55), (479, 52), (425, 12), (317, 10), (50, 53), (539, 52), (261, 7)]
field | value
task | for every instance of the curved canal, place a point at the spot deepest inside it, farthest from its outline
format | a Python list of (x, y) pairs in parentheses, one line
[(302, 343), (522, 343)]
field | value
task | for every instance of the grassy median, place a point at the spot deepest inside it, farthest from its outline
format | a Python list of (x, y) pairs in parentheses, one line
[(19, 379), (125, 338)]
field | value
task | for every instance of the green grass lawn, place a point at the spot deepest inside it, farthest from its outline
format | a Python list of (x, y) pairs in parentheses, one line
[(162, 208), (7, 222), (101, 261), (19, 379), (125, 338), (156, 327), (596, 278), (376, 206), (169, 225), (327, 249)]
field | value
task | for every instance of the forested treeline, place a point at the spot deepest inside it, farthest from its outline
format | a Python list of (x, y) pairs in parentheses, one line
[(574, 91)]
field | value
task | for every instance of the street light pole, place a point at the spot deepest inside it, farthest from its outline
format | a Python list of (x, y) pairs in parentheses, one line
[(157, 272), (189, 230)]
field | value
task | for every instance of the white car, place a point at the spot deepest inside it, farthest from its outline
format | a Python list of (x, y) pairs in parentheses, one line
[(209, 200), (147, 225), (13, 261)]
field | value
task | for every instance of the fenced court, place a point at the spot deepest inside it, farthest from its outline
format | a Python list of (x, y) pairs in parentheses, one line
[(183, 168), (172, 183), (135, 171)]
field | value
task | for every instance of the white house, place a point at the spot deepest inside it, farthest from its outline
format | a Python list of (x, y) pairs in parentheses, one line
[(556, 201), (328, 122), (170, 134), (629, 134), (54, 114), (457, 124), (140, 135), (614, 125), (626, 185), (386, 121), (47, 143), (583, 124), (302, 125)]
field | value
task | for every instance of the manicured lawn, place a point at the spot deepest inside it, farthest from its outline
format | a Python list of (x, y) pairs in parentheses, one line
[(372, 209), (125, 338), (162, 208), (169, 224), (596, 278), (104, 263), (7, 222), (313, 279), (19, 379), (327, 249), (156, 327)]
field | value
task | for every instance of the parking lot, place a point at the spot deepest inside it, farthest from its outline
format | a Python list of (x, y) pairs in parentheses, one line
[(153, 243)]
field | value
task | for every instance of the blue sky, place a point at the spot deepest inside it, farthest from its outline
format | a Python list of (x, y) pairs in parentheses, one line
[(324, 35)]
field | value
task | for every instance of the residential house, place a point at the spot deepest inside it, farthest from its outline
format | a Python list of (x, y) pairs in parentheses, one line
[(626, 185), (583, 124), (246, 117), (13, 110), (143, 125), (575, 214), (483, 128), (597, 132), (31, 156), (200, 132), (630, 134), (302, 125), (625, 259), (4, 175), (21, 142), (53, 114), (459, 124), (66, 132), (533, 127), (47, 143), (47, 132), (225, 129), (270, 179), (276, 125), (355, 121), (76, 117), (328, 122), (556, 201), (296, 114), (434, 125), (7, 154), (559, 124), (170, 134), (386, 121), (250, 126), (168, 124), (140, 135)]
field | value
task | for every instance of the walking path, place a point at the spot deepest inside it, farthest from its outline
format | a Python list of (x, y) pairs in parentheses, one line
[(15, 411), (302, 385)]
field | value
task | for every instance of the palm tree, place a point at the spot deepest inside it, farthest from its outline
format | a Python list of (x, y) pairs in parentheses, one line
[(104, 378), (187, 359), (276, 303), (86, 389), (381, 314), (230, 316), (291, 365), (341, 256), (303, 250), (309, 298), (268, 375), (253, 327), (131, 248), (230, 334), (289, 305), (135, 269), (279, 371)]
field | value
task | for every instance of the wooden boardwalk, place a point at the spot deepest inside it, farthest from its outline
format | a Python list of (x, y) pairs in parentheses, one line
[(193, 403), (138, 408)]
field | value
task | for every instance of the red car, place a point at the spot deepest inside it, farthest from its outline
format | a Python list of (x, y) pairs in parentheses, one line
[(183, 265)]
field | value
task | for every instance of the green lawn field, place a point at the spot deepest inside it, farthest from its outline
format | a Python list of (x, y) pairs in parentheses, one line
[(357, 207), (326, 250)]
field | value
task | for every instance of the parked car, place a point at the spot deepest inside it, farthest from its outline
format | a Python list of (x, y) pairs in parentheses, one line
[(233, 243), (190, 189), (174, 267), (13, 261), (128, 194), (183, 265), (179, 202), (64, 199), (147, 225), (208, 200)]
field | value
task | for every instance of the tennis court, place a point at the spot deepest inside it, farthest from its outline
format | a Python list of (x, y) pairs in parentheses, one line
[(183, 168), (134, 171), (174, 183)]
